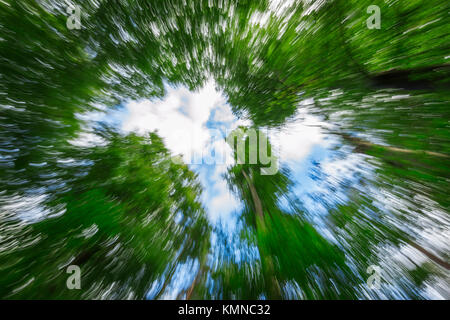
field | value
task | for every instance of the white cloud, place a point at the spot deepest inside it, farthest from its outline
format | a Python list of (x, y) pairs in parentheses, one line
[(220, 201), (295, 140), (222, 205), (223, 114), (180, 118)]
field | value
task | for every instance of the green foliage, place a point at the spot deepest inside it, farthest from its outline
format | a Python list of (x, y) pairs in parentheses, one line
[(129, 216), (118, 223)]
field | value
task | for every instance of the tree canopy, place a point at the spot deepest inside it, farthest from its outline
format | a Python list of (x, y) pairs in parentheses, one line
[(129, 215)]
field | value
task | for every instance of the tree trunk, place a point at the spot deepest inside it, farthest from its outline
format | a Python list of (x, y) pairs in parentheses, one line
[(273, 289), (166, 282), (363, 145), (256, 200), (201, 270), (194, 283), (433, 257)]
